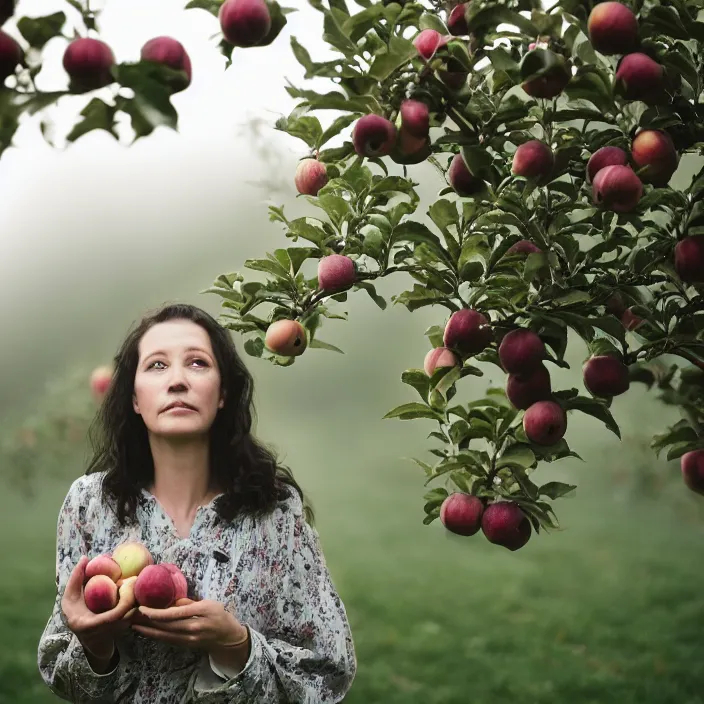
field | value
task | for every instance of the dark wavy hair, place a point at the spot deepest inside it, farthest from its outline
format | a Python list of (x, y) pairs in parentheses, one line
[(241, 467)]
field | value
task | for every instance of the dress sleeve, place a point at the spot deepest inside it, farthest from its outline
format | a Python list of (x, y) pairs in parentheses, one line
[(306, 653), (62, 661)]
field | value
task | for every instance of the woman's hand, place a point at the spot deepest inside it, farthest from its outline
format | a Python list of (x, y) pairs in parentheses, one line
[(96, 632), (196, 624)]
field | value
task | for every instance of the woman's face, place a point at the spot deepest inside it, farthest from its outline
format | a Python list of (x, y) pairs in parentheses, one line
[(169, 370)]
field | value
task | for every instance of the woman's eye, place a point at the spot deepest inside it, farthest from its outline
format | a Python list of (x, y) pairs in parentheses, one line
[(202, 361)]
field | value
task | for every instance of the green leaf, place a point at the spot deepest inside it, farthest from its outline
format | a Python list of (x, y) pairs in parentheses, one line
[(681, 448), (254, 346), (555, 490), (298, 255), (339, 124), (411, 231), (306, 128), (39, 30), (319, 344), (278, 22), (301, 228), (518, 454), (444, 213), (594, 408), (151, 105), (419, 380), (337, 208), (211, 6), (371, 290), (268, 266), (410, 411), (400, 52), (483, 17), (97, 115), (429, 20)]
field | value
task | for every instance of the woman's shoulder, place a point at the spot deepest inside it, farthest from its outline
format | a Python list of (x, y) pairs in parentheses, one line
[(85, 491), (287, 511)]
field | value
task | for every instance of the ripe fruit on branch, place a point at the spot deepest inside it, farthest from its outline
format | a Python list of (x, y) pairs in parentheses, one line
[(521, 351), (456, 22), (523, 247), (613, 28), (523, 390), (462, 514), (169, 52), (244, 22), (692, 467), (544, 73), (615, 305), (311, 175), (11, 55), (689, 259), (630, 320), (415, 118), (504, 524), (428, 41), (462, 179), (100, 380), (155, 587), (533, 160), (88, 62), (467, 331), (638, 77), (409, 149), (132, 557), (100, 594), (654, 152), (606, 156), (335, 272), (439, 357), (286, 338), (605, 376), (373, 136), (617, 188), (545, 423)]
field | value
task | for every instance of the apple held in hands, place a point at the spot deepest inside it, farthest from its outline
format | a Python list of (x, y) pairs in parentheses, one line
[(155, 587), (110, 577), (132, 557)]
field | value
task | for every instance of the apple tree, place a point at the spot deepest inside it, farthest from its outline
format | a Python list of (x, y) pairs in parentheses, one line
[(555, 132), (555, 129)]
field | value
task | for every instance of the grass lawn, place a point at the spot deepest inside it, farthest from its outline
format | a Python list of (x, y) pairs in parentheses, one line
[(609, 610)]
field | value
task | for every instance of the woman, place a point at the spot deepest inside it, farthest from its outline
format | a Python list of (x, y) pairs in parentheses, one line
[(266, 623)]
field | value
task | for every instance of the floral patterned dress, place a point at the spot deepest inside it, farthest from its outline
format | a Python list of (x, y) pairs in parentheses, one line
[(270, 573)]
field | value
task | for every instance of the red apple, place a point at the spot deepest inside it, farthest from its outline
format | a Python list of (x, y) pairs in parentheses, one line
[(545, 423), (606, 156), (311, 175), (692, 466), (467, 331), (244, 22), (617, 188), (504, 524), (613, 28), (462, 514)]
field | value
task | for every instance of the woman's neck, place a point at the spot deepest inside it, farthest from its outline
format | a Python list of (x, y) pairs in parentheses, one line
[(182, 480)]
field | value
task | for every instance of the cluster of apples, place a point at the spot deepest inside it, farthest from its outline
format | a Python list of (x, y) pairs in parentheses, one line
[(89, 61), (288, 338), (129, 573)]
